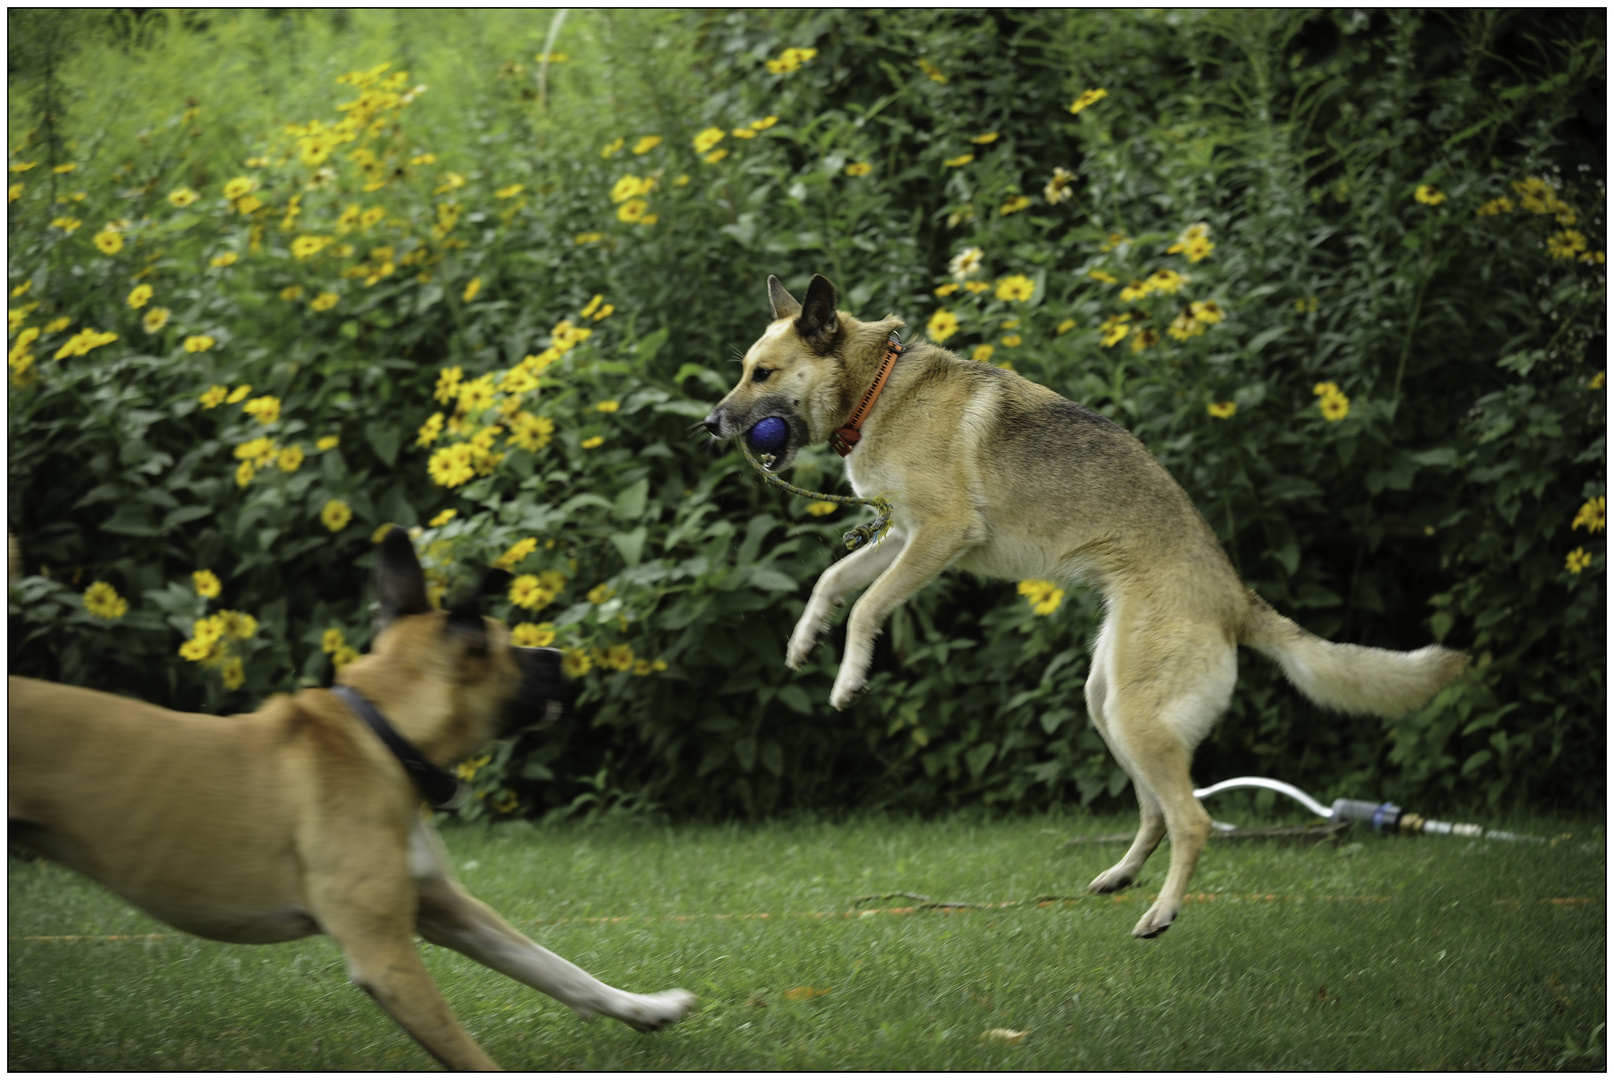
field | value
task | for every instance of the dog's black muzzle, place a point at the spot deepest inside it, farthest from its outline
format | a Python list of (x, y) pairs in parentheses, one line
[(545, 692)]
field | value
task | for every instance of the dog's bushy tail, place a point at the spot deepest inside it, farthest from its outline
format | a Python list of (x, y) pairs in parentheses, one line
[(1350, 678)]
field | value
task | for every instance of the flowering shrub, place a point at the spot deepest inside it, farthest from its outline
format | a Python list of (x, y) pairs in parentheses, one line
[(1373, 360)]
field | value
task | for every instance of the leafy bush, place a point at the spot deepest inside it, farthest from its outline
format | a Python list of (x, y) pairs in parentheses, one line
[(1342, 273)]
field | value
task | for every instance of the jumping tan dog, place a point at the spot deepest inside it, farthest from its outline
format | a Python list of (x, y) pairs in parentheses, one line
[(993, 474), (297, 819)]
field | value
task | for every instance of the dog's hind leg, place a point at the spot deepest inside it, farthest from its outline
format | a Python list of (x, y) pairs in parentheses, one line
[(453, 918), (850, 574), (1151, 822), (1164, 693)]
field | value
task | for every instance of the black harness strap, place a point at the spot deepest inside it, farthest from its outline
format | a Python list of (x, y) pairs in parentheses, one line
[(436, 784)]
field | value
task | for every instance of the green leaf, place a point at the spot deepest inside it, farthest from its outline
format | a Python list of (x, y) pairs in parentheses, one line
[(630, 501), (385, 437), (630, 544)]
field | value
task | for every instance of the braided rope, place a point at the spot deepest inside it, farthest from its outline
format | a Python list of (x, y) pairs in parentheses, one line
[(862, 534)]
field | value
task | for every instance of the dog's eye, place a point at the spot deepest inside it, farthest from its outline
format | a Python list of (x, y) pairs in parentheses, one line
[(760, 375)]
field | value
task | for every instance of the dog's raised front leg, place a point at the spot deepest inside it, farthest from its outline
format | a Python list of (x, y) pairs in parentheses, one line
[(453, 918), (925, 554), (851, 573)]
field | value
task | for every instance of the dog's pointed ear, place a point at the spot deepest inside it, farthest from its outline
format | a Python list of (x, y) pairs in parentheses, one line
[(465, 614), (785, 306), (400, 586), (817, 324)]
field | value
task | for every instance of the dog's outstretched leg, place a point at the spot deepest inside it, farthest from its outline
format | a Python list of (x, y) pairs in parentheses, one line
[(453, 918), (850, 574)]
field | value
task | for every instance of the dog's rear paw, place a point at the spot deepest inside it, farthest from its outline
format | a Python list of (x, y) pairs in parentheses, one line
[(1156, 921), (651, 1012), (1110, 880)]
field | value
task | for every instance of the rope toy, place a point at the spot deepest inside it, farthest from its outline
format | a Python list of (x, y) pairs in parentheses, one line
[(862, 534)]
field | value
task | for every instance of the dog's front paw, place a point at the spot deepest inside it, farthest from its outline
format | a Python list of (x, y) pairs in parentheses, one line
[(650, 1012), (845, 689), (804, 638)]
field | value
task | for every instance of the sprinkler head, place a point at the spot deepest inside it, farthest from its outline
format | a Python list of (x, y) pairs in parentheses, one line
[(768, 435)]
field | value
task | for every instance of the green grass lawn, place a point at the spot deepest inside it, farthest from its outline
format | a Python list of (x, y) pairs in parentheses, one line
[(1375, 953)]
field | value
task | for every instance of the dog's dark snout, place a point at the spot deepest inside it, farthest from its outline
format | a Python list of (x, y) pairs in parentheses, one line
[(545, 689), (713, 424)]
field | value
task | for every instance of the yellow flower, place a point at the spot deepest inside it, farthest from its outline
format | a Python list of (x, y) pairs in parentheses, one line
[(238, 394), (198, 343), (56, 326), (306, 246), (103, 601), (233, 673), (1500, 205), (226, 259), (83, 341), (14, 192), (110, 241), (611, 147), (1324, 388), (932, 71), (335, 515), (430, 430), (1593, 514), (1566, 244), (155, 320), (716, 155), (290, 459), (1185, 326), (331, 640), (258, 452), (1043, 596), (820, 508), (344, 656), (1578, 560), (531, 432), (324, 301), (960, 160), (1015, 205), (328, 442), (1222, 409), (1065, 326), (1015, 287), (472, 289), (859, 168), (292, 292), (66, 224), (1011, 340), (600, 593), (592, 442), (266, 409), (139, 295), (528, 592), (1167, 281), (1143, 338), (1429, 196), (214, 397), (1306, 304), (574, 663), (236, 624), (206, 582), (244, 473), (1206, 311), (1596, 381), (1334, 406), (708, 139), (608, 406), (646, 144), (1114, 328), (238, 187), (1088, 97), (983, 353), (943, 325), (632, 210), (516, 552)]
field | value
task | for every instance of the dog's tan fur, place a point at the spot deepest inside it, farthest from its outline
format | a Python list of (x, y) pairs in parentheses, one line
[(295, 819), (991, 473)]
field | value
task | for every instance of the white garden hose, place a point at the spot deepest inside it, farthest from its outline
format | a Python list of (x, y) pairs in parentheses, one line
[(1382, 816)]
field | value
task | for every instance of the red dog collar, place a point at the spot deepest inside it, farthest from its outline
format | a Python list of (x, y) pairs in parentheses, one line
[(847, 435)]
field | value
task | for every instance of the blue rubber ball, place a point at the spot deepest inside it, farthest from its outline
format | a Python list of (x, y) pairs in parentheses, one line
[(769, 435)]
